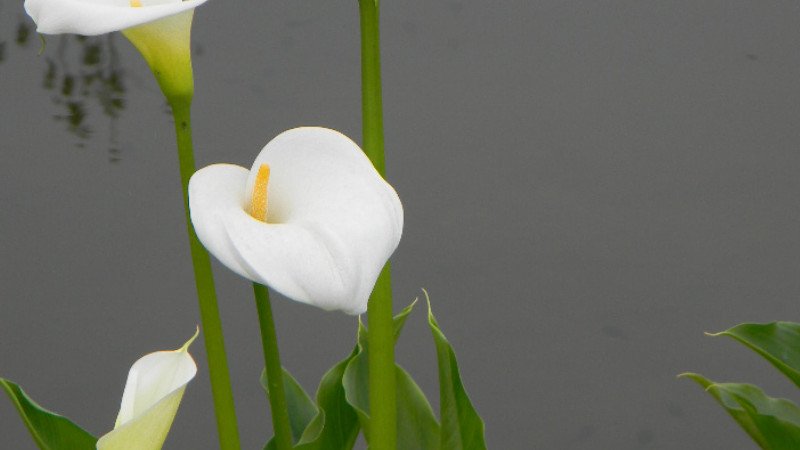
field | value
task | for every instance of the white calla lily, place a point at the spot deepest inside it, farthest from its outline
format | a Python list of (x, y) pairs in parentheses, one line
[(154, 389), (93, 17), (328, 221), (159, 29)]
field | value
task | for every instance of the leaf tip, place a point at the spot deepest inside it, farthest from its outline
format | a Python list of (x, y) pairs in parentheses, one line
[(361, 328), (428, 301)]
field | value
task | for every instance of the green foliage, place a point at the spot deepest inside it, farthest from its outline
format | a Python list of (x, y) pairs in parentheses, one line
[(462, 428), (417, 427), (777, 342), (50, 431), (335, 424), (301, 409), (342, 407), (774, 423)]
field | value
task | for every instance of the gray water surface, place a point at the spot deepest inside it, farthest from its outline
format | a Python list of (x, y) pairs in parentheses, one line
[(588, 186)]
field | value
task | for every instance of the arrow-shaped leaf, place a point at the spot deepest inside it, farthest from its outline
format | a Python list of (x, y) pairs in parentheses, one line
[(777, 342), (462, 428), (50, 431), (774, 423)]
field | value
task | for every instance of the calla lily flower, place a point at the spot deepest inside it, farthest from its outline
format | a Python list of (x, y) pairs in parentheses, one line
[(154, 389), (94, 17), (159, 29), (312, 219)]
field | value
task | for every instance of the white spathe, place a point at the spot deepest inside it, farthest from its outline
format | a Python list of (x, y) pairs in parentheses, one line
[(93, 17), (153, 392), (332, 221), (159, 29)]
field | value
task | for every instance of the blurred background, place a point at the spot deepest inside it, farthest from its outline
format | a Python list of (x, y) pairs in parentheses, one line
[(588, 187)]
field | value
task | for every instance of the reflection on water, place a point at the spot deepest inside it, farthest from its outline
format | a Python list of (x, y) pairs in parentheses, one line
[(84, 76), (97, 78), (23, 31)]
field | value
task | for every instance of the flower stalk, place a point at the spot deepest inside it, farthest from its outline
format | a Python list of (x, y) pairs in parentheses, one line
[(382, 396), (165, 45), (161, 31), (207, 298), (371, 100), (272, 362)]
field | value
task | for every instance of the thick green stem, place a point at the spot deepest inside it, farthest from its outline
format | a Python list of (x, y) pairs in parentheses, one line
[(382, 397), (206, 295), (272, 361), (371, 103)]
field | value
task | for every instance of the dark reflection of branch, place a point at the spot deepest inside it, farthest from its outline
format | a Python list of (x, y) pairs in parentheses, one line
[(2, 38), (23, 33), (84, 76), (98, 77)]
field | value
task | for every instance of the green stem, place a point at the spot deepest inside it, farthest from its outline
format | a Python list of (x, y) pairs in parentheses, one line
[(371, 103), (206, 295), (272, 361), (382, 397)]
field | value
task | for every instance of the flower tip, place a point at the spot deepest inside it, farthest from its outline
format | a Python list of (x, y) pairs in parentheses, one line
[(185, 347)]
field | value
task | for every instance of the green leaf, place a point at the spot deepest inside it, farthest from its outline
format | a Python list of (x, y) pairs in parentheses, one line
[(417, 427), (462, 428), (50, 431), (397, 322), (335, 427), (774, 423), (301, 409), (357, 373), (356, 380), (777, 342)]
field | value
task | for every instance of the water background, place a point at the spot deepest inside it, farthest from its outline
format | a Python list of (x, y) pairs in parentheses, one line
[(588, 186)]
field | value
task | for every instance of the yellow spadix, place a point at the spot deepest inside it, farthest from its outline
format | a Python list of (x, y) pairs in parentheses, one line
[(258, 207)]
